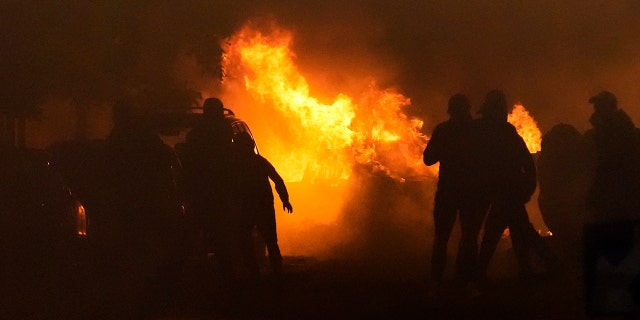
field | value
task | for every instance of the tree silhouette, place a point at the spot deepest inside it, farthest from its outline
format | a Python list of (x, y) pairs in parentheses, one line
[(95, 53)]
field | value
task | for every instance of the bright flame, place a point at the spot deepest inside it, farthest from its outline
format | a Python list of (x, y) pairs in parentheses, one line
[(526, 126), (329, 138)]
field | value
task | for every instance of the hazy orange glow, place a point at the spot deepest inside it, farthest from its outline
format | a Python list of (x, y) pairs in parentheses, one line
[(527, 127)]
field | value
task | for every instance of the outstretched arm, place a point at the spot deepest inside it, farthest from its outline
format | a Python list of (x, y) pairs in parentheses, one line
[(281, 188)]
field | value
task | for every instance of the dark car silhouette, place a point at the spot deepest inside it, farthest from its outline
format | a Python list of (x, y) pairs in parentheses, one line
[(39, 212), (43, 229)]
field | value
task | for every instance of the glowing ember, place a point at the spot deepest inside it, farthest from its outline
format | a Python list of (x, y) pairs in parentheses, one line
[(328, 138), (526, 126)]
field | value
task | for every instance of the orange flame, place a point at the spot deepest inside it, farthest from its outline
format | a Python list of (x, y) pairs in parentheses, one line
[(526, 126), (329, 138)]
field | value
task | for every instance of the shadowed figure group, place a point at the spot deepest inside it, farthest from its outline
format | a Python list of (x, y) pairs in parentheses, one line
[(459, 191), (590, 200), (229, 191), (486, 174)]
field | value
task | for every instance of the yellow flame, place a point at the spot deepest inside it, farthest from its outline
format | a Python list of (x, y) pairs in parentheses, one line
[(329, 137), (526, 126)]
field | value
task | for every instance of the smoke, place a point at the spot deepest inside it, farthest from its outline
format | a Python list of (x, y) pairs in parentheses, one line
[(549, 56)]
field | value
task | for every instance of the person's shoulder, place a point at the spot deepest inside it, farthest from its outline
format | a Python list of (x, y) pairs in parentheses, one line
[(262, 159), (441, 126), (509, 127)]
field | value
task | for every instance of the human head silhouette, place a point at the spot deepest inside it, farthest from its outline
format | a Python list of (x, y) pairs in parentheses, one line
[(604, 102), (244, 142), (213, 108), (458, 105), (495, 106)]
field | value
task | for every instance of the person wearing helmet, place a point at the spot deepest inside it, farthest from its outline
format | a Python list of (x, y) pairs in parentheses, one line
[(509, 175), (457, 195), (253, 192)]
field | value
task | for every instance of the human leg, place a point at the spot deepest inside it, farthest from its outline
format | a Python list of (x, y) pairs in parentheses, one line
[(526, 240), (267, 228), (444, 217), (472, 215), (495, 224)]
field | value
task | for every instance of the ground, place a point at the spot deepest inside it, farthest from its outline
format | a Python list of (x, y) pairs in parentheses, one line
[(351, 289), (385, 287)]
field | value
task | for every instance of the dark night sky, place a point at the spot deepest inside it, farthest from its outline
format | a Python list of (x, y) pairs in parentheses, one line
[(549, 55)]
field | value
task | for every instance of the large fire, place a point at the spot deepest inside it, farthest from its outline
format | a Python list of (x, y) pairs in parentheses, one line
[(325, 139), (316, 142)]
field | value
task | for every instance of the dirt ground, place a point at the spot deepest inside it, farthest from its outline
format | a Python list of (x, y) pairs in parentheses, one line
[(377, 289), (385, 287)]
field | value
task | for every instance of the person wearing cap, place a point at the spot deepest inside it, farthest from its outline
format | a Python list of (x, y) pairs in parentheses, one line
[(508, 173), (613, 207), (456, 196), (614, 147)]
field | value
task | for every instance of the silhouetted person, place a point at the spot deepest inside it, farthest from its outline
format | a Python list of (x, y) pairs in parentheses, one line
[(457, 194), (509, 174), (206, 157), (614, 147), (138, 226), (613, 201), (254, 194), (563, 183)]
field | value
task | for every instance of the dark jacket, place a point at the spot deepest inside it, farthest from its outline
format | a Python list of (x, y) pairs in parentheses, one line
[(614, 148), (507, 167), (451, 145)]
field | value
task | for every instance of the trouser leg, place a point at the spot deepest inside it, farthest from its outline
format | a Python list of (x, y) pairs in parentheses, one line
[(471, 218), (444, 217), (495, 225), (267, 228)]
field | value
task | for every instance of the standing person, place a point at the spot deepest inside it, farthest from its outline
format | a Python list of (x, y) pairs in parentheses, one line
[(509, 174), (137, 226), (613, 204), (458, 193), (563, 184), (206, 162), (254, 194), (614, 149)]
